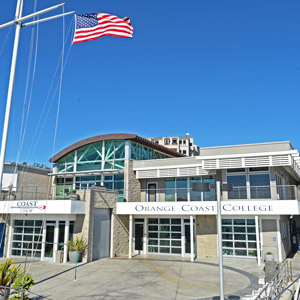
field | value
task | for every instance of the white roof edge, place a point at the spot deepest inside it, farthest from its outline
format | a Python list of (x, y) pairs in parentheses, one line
[(253, 144), (291, 152)]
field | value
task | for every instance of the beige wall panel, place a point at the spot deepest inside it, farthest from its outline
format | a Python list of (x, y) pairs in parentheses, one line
[(206, 236)]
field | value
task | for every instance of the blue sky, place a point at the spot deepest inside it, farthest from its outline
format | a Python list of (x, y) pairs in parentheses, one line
[(227, 72)]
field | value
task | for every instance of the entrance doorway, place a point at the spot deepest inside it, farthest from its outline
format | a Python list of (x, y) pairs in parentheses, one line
[(49, 240), (151, 190), (138, 238)]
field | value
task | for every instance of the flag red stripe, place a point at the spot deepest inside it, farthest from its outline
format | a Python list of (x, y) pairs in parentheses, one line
[(103, 28), (97, 37), (121, 33)]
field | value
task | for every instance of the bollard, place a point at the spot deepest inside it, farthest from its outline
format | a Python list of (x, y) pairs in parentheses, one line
[(270, 270)]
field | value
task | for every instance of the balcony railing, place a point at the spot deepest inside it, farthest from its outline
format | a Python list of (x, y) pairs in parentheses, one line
[(279, 192)]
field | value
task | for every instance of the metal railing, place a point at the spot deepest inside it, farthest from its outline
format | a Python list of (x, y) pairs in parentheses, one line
[(278, 283), (279, 192)]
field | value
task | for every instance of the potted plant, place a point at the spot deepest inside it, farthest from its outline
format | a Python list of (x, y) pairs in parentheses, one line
[(74, 195), (269, 256), (77, 248), (9, 273)]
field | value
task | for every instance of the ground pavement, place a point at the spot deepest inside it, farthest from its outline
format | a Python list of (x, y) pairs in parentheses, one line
[(145, 278)]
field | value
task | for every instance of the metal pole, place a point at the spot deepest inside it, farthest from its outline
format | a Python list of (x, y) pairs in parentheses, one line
[(10, 88), (219, 224)]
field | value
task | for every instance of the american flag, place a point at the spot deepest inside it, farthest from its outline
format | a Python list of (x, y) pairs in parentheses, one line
[(92, 26)]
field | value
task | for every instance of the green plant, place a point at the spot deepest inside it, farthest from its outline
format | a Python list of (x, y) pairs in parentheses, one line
[(74, 192), (8, 274), (269, 253), (27, 282), (79, 244)]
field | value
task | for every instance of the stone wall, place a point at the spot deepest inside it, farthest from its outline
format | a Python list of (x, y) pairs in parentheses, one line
[(206, 236), (132, 184), (103, 198)]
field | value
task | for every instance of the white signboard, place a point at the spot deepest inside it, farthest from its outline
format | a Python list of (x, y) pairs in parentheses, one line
[(42, 207), (209, 208)]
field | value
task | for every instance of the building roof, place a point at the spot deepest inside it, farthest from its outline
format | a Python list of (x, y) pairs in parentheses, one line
[(114, 136)]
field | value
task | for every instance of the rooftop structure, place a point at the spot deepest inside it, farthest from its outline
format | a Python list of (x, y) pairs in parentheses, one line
[(184, 145)]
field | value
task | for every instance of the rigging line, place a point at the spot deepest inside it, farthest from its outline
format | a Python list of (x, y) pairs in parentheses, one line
[(4, 43), (60, 85), (58, 104), (21, 138), (34, 140)]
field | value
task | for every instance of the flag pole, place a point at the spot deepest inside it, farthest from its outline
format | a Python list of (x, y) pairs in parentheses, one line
[(18, 15), (18, 21)]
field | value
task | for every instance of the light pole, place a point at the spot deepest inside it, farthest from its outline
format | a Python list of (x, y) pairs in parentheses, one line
[(206, 187)]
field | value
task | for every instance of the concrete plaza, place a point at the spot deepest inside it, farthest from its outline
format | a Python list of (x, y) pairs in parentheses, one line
[(150, 277)]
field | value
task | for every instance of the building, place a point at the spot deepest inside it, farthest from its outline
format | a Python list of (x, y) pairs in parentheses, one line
[(137, 197), (42, 225), (184, 145), (23, 182), (261, 213)]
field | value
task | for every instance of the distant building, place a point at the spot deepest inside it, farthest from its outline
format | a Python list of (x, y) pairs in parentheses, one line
[(184, 145), (19, 176)]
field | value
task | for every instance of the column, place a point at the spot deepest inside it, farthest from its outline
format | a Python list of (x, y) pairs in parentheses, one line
[(11, 229), (55, 238), (130, 236), (43, 240), (182, 238), (192, 237), (145, 240), (257, 240), (112, 220), (66, 239), (279, 241)]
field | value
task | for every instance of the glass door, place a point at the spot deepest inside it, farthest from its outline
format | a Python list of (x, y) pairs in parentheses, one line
[(49, 240), (139, 233), (187, 237), (151, 192)]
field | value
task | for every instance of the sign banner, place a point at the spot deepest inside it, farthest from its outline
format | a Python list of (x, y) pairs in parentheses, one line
[(264, 207), (42, 207)]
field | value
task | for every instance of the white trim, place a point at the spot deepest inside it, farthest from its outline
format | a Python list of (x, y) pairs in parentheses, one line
[(257, 240), (279, 240), (130, 236), (112, 219), (192, 237), (66, 239)]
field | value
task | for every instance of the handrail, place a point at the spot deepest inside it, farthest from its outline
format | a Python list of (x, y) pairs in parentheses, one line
[(297, 291), (273, 287)]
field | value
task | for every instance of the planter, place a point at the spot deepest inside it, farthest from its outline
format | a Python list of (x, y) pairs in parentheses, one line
[(269, 257), (72, 256), (74, 197)]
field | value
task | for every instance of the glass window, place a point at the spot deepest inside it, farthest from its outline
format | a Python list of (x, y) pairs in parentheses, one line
[(170, 189), (239, 187), (181, 189), (209, 196), (195, 196), (260, 186)]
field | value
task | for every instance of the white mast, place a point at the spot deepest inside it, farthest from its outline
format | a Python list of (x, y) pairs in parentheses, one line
[(18, 15), (18, 21)]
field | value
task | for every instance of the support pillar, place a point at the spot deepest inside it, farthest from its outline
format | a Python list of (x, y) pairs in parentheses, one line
[(192, 237), (66, 239), (130, 236), (257, 241), (279, 241)]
